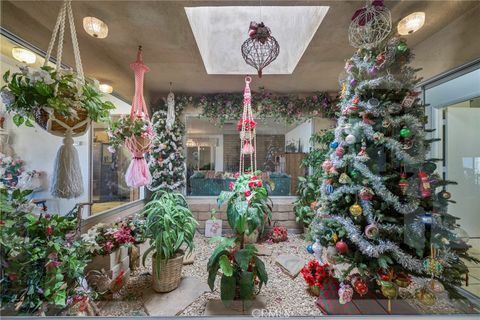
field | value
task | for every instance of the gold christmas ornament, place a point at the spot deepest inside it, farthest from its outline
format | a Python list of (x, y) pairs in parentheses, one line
[(356, 210), (425, 296), (388, 289), (344, 178)]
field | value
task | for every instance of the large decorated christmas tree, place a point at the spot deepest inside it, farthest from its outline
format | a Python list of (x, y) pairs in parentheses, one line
[(382, 215), (167, 159)]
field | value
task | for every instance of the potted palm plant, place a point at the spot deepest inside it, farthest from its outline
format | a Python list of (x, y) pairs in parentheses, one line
[(243, 271), (169, 225)]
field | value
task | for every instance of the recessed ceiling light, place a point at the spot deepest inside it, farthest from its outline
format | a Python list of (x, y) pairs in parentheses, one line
[(95, 27), (411, 23), (105, 88), (24, 55)]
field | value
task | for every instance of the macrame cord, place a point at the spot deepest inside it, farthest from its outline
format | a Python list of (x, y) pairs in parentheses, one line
[(248, 145), (67, 175), (171, 109), (138, 174)]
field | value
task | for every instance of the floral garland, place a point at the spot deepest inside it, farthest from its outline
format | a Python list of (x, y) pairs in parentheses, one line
[(221, 107)]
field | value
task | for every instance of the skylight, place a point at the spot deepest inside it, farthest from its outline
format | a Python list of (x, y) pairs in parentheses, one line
[(220, 32)]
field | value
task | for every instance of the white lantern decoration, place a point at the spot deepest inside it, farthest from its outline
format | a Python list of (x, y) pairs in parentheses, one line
[(370, 25)]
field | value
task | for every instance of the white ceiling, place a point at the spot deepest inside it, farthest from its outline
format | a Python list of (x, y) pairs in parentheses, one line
[(220, 32)]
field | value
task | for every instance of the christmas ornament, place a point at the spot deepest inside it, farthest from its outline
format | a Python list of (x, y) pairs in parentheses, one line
[(372, 103), (408, 101), (348, 65), (432, 265), (402, 47), (344, 178), (407, 144), (425, 296), (363, 150), (334, 144), (353, 83), (403, 280), (389, 291), (341, 247), (313, 205), (261, 48), (345, 293), (405, 132), (425, 188), (365, 194), (354, 173), (378, 136), (403, 183), (360, 286), (328, 189), (380, 59), (372, 71), (444, 194), (366, 119), (356, 210), (327, 164), (426, 218), (435, 286), (317, 250), (370, 25), (330, 254), (310, 249), (350, 139), (339, 151), (371, 231)]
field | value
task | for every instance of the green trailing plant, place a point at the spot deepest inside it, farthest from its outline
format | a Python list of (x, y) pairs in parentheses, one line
[(43, 260), (169, 225), (62, 91), (248, 209)]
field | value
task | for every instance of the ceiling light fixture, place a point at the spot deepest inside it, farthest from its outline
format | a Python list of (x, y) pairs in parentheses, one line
[(105, 88), (24, 55), (411, 23), (95, 27)]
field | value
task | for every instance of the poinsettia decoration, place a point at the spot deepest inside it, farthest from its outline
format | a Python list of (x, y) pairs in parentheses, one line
[(315, 273)]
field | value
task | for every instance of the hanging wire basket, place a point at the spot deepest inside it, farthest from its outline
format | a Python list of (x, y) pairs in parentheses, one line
[(370, 25), (261, 48)]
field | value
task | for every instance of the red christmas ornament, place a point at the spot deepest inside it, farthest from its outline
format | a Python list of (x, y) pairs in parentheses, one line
[(425, 188), (339, 151), (403, 183), (341, 247), (360, 286), (366, 194), (380, 58)]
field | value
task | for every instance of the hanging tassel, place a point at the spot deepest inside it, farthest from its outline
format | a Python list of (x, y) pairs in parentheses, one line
[(67, 175), (137, 174)]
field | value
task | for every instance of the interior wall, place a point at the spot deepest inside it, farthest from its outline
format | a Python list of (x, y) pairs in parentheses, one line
[(302, 132), (455, 44)]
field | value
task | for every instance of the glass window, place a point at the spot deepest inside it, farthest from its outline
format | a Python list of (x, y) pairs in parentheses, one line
[(108, 186)]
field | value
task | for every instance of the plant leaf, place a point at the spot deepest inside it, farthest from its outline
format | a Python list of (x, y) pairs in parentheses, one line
[(227, 289), (226, 266)]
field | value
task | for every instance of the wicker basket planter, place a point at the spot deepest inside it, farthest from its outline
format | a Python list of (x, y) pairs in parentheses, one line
[(170, 273), (42, 118)]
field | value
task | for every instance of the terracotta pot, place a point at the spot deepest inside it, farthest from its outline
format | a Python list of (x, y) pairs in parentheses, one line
[(170, 273)]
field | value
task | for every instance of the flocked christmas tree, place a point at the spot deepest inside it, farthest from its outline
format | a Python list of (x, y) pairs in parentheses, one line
[(167, 160), (382, 214)]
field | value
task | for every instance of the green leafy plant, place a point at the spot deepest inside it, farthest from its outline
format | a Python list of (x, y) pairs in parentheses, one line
[(29, 90), (42, 260), (248, 209), (169, 225), (304, 207)]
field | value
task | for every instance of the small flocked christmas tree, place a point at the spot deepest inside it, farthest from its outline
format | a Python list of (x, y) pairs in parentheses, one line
[(167, 160), (382, 214)]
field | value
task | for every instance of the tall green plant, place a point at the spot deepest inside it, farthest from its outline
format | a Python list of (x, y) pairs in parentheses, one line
[(248, 209), (169, 225)]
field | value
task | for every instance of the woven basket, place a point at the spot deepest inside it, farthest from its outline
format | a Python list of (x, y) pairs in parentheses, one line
[(42, 117), (142, 142), (170, 273)]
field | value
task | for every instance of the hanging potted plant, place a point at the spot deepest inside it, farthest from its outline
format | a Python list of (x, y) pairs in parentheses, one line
[(60, 101), (169, 226), (136, 130), (247, 210)]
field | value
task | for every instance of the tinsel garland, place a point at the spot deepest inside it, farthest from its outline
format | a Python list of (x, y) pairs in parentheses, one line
[(355, 235)]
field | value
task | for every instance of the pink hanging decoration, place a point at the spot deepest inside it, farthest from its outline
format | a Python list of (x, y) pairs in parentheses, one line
[(246, 126), (138, 174)]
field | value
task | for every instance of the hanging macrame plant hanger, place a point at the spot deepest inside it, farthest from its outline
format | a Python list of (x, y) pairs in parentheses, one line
[(248, 147), (138, 174), (67, 176)]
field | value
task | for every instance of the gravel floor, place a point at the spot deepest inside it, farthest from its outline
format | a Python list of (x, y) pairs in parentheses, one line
[(282, 294)]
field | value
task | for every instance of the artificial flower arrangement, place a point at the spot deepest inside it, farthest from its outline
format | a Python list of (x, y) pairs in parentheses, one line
[(278, 234), (29, 93), (11, 169), (126, 127), (43, 259), (248, 209), (316, 275)]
